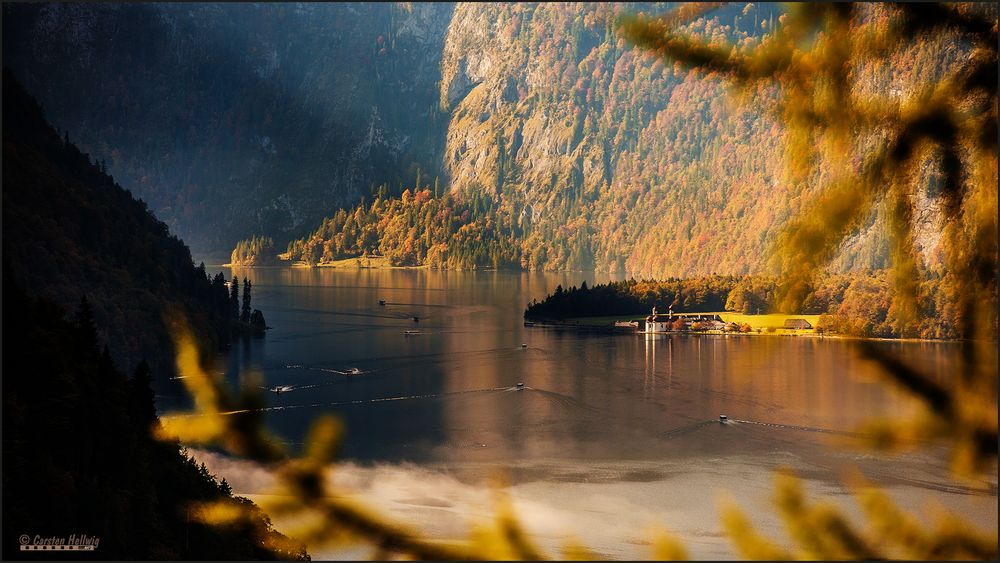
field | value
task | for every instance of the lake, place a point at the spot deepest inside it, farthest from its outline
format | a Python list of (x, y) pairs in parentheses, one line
[(609, 434)]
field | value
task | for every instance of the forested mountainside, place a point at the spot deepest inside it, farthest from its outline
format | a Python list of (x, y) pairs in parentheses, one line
[(569, 149), (79, 456), (615, 159), (71, 232), (235, 119), (555, 144)]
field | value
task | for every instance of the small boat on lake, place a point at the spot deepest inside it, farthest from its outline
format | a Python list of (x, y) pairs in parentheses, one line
[(519, 386), (411, 333), (345, 371)]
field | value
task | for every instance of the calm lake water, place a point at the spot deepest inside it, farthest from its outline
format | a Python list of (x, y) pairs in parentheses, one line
[(594, 408), (449, 392)]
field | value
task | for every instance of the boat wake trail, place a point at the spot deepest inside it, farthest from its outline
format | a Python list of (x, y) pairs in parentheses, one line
[(354, 402), (444, 306), (565, 400), (289, 388), (393, 362), (686, 429), (699, 425), (802, 428), (348, 371)]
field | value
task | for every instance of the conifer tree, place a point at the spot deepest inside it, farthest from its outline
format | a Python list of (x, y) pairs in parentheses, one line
[(245, 312)]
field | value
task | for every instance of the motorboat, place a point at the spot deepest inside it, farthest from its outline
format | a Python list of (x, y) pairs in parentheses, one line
[(519, 386)]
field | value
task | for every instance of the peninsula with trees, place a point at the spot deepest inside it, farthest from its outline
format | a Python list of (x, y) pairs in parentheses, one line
[(860, 304)]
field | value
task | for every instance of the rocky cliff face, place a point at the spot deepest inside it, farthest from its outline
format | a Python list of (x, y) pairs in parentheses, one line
[(261, 119), (618, 157), (233, 120), (622, 162)]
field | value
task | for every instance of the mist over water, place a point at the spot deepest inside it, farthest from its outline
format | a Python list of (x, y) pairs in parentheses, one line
[(607, 427)]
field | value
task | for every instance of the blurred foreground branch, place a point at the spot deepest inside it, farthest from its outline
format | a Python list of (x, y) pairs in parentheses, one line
[(323, 514)]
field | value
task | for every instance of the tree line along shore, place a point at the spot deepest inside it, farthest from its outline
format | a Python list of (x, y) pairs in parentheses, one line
[(858, 304)]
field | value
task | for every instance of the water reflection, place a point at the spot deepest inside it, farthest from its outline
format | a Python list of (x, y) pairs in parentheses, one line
[(448, 393)]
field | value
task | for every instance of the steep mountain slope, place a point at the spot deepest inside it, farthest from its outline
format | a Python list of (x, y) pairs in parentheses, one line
[(233, 120), (619, 161), (561, 145), (71, 232), (611, 150)]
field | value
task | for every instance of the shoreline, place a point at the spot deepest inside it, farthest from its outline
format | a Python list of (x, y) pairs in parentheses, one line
[(372, 263), (379, 263), (350, 264), (610, 329), (382, 263)]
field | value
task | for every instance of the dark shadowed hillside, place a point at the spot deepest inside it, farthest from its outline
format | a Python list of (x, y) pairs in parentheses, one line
[(79, 456), (70, 231), (238, 119)]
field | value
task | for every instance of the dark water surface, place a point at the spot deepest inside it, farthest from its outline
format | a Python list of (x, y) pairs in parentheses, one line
[(611, 433), (449, 393)]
